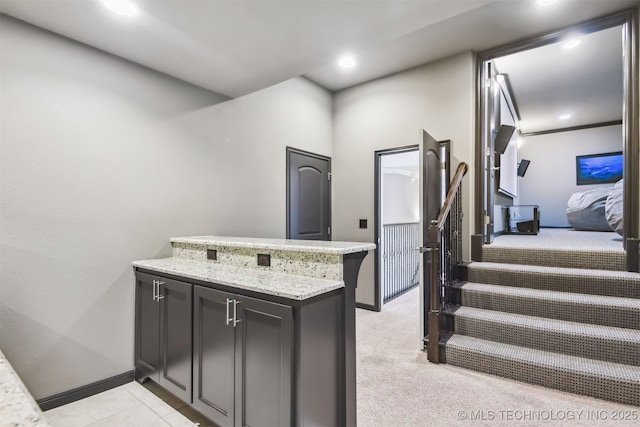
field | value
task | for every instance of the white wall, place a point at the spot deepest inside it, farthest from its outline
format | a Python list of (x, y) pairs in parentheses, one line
[(551, 177), (400, 199), (388, 113), (102, 161), (400, 188)]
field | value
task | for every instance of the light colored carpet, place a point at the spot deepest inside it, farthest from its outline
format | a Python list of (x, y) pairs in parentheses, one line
[(397, 386), (562, 238)]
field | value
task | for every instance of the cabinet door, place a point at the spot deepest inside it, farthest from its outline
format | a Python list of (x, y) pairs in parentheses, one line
[(213, 356), (264, 346), (147, 338), (175, 337)]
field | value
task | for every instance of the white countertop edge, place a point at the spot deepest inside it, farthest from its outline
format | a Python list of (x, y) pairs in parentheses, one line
[(17, 406), (317, 246), (270, 283)]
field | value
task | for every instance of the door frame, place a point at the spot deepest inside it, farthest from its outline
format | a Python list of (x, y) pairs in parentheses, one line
[(292, 150), (377, 220), (483, 146)]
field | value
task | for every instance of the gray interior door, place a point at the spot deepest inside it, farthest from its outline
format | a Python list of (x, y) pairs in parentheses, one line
[(433, 186), (308, 195)]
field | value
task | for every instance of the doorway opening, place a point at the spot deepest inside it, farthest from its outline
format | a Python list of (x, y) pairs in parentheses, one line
[(397, 192), (566, 95)]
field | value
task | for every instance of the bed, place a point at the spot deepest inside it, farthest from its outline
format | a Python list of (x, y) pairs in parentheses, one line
[(598, 209)]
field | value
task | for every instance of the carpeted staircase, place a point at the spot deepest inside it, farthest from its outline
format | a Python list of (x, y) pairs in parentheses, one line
[(564, 319)]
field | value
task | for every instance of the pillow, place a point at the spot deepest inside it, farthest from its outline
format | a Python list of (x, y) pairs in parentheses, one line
[(585, 210), (614, 208)]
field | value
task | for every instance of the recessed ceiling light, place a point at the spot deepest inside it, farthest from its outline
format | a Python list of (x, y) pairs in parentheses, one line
[(347, 61), (571, 43), (122, 7), (546, 2), (565, 116)]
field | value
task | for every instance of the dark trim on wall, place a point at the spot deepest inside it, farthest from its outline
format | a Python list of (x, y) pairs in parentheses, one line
[(572, 128), (377, 218), (478, 217), (633, 255), (589, 26), (477, 241), (70, 396), (631, 173), (366, 306)]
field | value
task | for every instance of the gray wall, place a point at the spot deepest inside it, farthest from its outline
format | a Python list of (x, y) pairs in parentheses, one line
[(551, 177), (102, 161), (388, 113)]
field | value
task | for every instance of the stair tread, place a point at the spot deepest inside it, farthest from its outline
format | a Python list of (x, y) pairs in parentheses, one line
[(528, 247), (564, 271), (593, 367), (566, 297), (554, 325)]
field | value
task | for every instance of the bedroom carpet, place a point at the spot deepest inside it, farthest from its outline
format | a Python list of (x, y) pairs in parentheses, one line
[(554, 247), (563, 238)]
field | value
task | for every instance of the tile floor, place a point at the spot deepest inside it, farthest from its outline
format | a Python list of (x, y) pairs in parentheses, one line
[(130, 405)]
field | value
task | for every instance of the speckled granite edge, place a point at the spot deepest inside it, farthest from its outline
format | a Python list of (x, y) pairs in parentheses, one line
[(17, 407), (319, 265), (267, 282), (314, 246)]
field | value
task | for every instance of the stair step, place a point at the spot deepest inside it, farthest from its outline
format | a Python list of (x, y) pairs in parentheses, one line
[(604, 380), (597, 282), (618, 345), (596, 258), (592, 309)]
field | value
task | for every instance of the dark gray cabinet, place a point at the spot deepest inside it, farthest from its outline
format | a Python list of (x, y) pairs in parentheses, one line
[(163, 326), (243, 359)]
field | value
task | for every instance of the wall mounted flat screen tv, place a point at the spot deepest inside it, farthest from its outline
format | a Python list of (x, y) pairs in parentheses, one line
[(600, 168)]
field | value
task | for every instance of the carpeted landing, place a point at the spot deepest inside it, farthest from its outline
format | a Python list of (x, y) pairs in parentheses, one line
[(554, 313), (398, 387)]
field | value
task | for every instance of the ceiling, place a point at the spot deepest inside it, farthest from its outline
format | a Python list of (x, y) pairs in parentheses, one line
[(235, 47), (584, 82)]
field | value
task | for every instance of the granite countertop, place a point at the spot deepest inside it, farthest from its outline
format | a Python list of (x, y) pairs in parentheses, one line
[(279, 284), (17, 407), (318, 246)]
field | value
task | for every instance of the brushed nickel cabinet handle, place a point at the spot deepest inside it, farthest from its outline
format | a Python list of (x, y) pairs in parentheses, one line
[(227, 319), (235, 313), (159, 296)]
